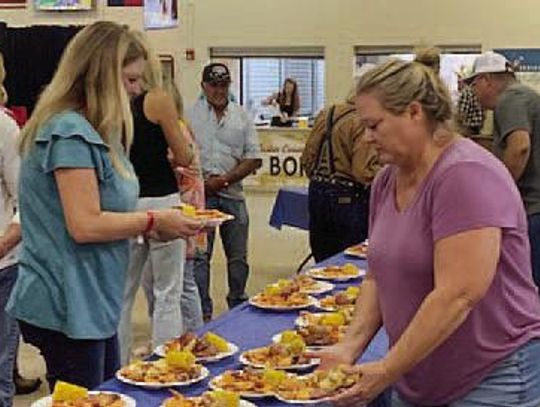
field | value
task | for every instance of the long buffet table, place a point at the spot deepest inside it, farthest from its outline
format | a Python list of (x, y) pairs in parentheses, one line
[(249, 327)]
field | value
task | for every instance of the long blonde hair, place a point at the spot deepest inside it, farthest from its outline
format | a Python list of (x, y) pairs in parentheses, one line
[(152, 76), (89, 81), (397, 83)]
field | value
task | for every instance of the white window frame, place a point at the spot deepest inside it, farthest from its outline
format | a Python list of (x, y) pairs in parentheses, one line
[(315, 53)]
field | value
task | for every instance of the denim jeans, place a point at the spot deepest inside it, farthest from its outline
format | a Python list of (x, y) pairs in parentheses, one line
[(515, 382), (338, 218), (9, 337), (534, 239), (190, 302), (84, 362), (234, 236), (166, 263)]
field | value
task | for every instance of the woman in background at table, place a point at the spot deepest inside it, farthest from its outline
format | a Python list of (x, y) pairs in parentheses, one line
[(156, 131), (288, 102), (77, 193), (449, 262)]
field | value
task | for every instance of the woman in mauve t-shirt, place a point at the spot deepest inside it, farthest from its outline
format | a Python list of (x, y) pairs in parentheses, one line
[(449, 260)]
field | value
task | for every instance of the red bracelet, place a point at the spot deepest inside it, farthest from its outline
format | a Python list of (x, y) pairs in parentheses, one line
[(149, 222)]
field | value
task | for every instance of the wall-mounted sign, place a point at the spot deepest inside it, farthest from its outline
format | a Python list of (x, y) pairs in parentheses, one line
[(125, 3), (12, 3), (280, 152), (527, 61), (160, 14), (63, 5)]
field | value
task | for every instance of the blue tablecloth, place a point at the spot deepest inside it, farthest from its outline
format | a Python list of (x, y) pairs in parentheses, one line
[(249, 328), (291, 208)]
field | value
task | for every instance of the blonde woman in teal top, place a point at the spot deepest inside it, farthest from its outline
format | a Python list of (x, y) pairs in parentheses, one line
[(77, 195)]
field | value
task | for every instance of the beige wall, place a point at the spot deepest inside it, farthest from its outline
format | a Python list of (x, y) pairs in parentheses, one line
[(338, 25)]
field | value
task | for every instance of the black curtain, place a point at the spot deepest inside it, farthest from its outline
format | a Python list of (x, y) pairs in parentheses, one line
[(31, 56)]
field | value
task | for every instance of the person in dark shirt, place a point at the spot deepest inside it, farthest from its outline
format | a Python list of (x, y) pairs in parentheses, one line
[(156, 130), (516, 134)]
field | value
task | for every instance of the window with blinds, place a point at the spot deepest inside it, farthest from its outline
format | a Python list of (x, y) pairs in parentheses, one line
[(260, 72), (454, 59)]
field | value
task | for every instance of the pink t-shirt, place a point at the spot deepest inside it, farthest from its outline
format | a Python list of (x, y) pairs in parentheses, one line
[(466, 189)]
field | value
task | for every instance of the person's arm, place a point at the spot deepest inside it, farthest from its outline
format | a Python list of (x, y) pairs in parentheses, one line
[(457, 290), (367, 317), (10, 176), (159, 108), (249, 162), (245, 167), (11, 162), (10, 238), (270, 100), (87, 223), (365, 323), (515, 126), (516, 154)]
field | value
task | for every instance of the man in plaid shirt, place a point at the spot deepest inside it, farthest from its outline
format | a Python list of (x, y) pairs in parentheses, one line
[(470, 113)]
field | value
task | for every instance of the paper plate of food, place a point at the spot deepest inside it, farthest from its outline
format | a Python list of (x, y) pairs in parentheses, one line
[(341, 301), (359, 250), (210, 217), (207, 348), (309, 285), (176, 369), (290, 303), (282, 296), (217, 398), (337, 273), (248, 382), (316, 387), (316, 336), (338, 318), (286, 354), (93, 398), (70, 395)]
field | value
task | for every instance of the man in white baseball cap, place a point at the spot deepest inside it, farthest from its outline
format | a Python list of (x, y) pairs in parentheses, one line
[(516, 134), (489, 62)]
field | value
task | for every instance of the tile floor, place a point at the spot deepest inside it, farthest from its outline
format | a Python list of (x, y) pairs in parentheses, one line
[(273, 254)]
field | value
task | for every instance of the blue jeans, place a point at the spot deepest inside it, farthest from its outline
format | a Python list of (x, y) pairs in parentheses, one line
[(515, 382), (83, 362), (191, 300), (234, 236), (338, 218), (534, 239), (9, 337)]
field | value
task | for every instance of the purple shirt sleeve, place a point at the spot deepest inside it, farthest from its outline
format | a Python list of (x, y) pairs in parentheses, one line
[(471, 196)]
